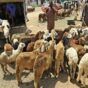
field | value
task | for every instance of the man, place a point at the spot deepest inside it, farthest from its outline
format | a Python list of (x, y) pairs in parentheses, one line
[(11, 11), (81, 6), (85, 15), (50, 13), (27, 3)]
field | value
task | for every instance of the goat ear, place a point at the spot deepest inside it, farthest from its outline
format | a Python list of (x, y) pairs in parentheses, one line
[(36, 52)]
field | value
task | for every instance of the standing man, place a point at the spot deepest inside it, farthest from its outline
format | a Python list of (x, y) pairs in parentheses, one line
[(27, 3), (11, 11), (85, 15), (81, 6), (50, 13)]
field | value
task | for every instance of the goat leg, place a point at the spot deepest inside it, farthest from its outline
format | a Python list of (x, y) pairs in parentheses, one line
[(57, 68), (37, 76), (84, 78), (74, 71), (62, 66), (18, 75), (71, 72), (79, 74), (3, 69)]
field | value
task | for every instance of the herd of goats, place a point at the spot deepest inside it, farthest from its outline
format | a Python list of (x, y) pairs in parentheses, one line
[(45, 51)]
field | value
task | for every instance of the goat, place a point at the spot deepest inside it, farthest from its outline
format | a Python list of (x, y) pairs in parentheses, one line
[(72, 56), (30, 47), (43, 62), (9, 55), (30, 9), (41, 44), (73, 32), (42, 17), (83, 68), (59, 58), (15, 43), (25, 60), (6, 29), (79, 48), (47, 36)]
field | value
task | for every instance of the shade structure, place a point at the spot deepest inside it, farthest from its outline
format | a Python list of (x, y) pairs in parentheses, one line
[(6, 1)]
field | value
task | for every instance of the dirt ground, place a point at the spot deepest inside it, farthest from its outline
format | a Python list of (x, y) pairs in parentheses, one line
[(9, 81)]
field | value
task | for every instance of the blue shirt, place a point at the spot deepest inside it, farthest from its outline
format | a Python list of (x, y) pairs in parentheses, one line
[(11, 8)]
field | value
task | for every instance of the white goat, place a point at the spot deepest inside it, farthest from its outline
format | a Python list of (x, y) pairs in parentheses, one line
[(73, 32), (86, 47), (72, 56), (83, 68), (46, 35), (6, 59), (6, 29), (84, 31)]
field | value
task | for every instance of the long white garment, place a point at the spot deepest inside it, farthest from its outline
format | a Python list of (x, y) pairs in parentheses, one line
[(81, 7)]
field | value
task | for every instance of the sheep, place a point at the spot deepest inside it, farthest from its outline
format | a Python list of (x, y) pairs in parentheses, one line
[(9, 55), (42, 63), (83, 68), (6, 29), (59, 58), (72, 56)]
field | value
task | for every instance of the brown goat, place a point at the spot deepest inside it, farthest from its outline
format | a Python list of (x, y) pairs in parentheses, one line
[(43, 62), (30, 47), (8, 47), (79, 48), (59, 59), (42, 17), (24, 61)]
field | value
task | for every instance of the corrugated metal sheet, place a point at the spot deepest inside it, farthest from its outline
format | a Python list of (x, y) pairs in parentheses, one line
[(5, 1)]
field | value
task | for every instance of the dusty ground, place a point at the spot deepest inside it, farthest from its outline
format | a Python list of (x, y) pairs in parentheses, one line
[(9, 81)]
